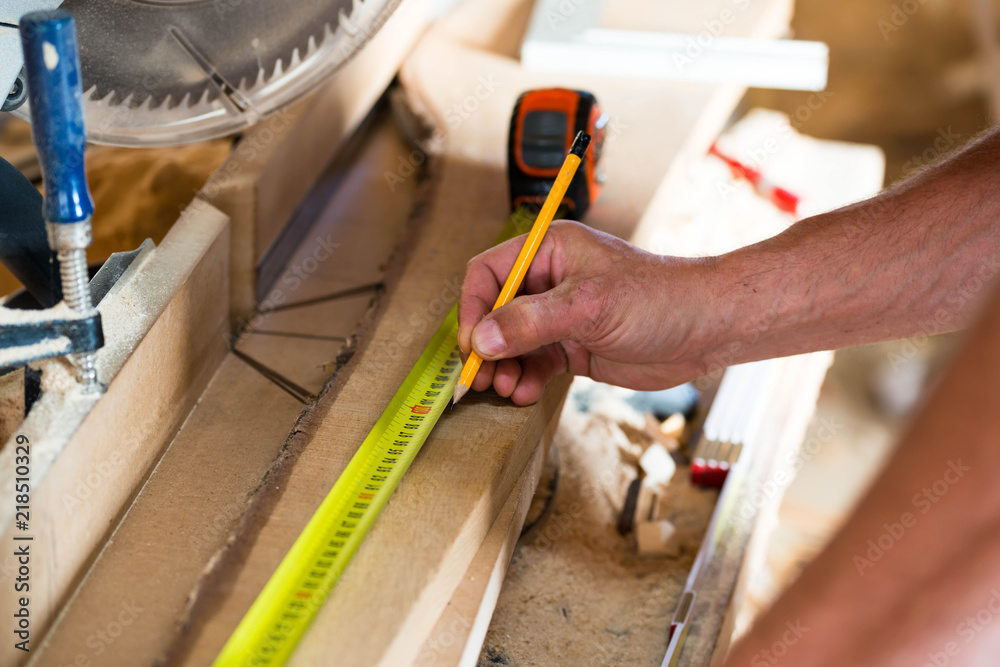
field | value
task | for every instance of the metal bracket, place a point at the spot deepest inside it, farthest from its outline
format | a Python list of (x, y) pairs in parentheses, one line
[(30, 335), (43, 336)]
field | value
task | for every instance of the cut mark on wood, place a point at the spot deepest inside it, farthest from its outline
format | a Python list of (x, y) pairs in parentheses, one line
[(296, 391), (354, 291), (292, 334)]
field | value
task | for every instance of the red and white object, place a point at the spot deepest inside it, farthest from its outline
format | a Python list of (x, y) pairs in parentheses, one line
[(784, 199)]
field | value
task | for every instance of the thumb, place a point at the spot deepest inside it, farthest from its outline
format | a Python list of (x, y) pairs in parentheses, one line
[(527, 323)]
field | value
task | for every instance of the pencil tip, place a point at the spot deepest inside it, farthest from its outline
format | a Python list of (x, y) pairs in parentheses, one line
[(460, 391)]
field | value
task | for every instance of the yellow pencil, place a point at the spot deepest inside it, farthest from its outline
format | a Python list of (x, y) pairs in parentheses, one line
[(528, 250)]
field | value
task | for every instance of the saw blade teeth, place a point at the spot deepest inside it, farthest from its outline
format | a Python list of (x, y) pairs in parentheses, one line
[(171, 102), (92, 94), (125, 101), (261, 79), (150, 104), (154, 83), (204, 98), (347, 24)]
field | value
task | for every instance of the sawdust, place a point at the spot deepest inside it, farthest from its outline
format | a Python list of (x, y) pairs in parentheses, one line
[(576, 592), (140, 192), (58, 376), (11, 355), (11, 403)]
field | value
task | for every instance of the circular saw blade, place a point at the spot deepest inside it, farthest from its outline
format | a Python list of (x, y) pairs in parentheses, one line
[(160, 72)]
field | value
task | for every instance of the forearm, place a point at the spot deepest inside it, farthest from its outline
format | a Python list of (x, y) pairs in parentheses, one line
[(911, 262), (919, 560)]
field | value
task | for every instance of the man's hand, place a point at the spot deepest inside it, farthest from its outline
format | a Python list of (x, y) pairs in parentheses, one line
[(911, 262), (591, 305)]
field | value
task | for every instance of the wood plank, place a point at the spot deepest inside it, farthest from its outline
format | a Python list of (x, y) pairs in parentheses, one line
[(277, 161), (457, 638), (463, 623), (181, 517), (238, 428), (472, 462), (443, 509), (87, 466)]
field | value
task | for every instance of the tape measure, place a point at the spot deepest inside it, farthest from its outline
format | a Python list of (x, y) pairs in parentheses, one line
[(543, 125), (282, 612)]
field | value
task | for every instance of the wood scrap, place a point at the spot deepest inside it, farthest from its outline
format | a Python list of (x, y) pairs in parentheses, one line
[(647, 505), (657, 465), (655, 538), (672, 427)]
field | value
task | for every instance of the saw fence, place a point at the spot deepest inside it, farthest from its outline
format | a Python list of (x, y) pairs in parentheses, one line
[(279, 316)]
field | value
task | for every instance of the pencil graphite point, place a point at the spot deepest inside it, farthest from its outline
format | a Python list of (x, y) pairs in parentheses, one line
[(460, 391)]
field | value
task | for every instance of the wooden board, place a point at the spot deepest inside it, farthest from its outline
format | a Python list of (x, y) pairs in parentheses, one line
[(442, 511), (457, 637), (198, 491), (277, 162), (87, 467), (458, 633), (235, 431)]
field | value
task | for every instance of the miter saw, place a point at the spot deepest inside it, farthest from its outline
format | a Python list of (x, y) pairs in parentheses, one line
[(163, 72), (150, 72)]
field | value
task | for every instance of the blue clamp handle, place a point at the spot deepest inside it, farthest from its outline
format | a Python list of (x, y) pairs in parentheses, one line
[(52, 64)]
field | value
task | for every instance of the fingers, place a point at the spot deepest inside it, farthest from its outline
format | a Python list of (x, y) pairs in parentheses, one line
[(484, 277), (484, 378), (530, 322), (506, 377), (486, 274), (539, 368), (522, 380)]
